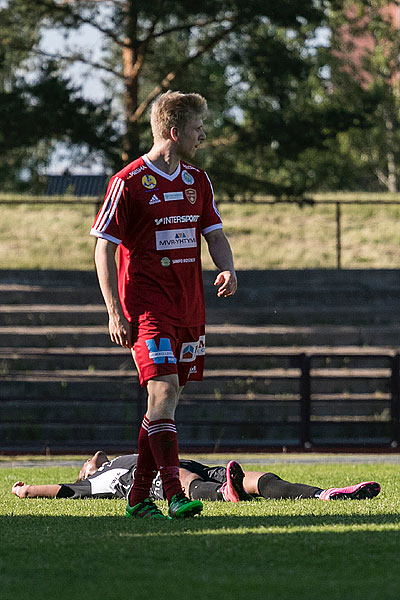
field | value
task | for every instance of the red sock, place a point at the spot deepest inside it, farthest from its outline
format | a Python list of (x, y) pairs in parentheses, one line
[(163, 441), (146, 468)]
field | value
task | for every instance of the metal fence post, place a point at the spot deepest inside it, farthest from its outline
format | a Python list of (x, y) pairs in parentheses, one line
[(305, 400), (338, 236), (395, 400)]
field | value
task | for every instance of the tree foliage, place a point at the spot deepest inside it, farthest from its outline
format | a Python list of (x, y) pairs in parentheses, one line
[(272, 108), (365, 78)]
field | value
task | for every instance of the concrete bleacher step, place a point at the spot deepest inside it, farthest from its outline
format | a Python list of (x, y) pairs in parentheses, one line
[(80, 412), (217, 335), (63, 380), (18, 315), (271, 289), (374, 313), (66, 421), (14, 294), (119, 384), (34, 315), (243, 357)]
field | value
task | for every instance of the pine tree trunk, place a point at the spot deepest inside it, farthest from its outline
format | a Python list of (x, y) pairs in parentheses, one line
[(392, 176), (131, 60), (391, 163)]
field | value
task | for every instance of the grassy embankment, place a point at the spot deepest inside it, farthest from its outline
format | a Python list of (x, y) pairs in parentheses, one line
[(279, 236)]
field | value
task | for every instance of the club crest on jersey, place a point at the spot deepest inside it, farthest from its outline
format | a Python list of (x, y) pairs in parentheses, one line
[(191, 195), (187, 178), (149, 182)]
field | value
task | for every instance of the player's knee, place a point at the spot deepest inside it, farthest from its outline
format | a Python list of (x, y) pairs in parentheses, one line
[(163, 396)]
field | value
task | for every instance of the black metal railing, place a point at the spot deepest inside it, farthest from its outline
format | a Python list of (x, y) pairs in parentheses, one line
[(227, 419)]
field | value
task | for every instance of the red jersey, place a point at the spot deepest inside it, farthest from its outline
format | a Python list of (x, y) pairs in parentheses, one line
[(157, 220)]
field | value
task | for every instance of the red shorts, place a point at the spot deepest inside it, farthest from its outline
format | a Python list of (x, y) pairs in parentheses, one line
[(162, 349)]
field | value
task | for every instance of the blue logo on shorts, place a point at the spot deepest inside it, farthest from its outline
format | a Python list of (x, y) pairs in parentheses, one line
[(162, 353)]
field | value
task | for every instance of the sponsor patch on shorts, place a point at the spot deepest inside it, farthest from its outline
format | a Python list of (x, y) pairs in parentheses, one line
[(191, 350)]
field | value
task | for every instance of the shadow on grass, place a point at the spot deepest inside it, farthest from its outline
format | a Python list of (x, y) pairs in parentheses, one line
[(225, 557)]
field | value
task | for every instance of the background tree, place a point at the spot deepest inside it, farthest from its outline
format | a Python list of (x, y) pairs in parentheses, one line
[(38, 106), (256, 62), (365, 77)]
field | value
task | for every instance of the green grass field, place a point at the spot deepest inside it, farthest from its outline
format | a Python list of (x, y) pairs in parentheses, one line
[(300, 550), (279, 236)]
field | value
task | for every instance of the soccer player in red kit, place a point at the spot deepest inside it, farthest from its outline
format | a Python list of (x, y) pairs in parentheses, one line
[(154, 212)]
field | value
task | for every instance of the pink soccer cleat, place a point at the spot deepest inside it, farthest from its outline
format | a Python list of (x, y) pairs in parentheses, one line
[(360, 491), (232, 490)]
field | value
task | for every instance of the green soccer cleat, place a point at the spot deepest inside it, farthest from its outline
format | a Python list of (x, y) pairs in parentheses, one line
[(144, 510), (181, 507)]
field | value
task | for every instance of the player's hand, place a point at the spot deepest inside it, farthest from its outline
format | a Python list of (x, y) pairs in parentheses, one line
[(227, 282), (19, 489), (120, 330)]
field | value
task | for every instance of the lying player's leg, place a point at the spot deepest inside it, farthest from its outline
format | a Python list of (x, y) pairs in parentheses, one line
[(197, 488), (270, 486), (218, 483)]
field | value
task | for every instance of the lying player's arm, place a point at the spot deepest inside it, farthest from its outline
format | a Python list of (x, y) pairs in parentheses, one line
[(22, 490), (221, 254), (107, 274)]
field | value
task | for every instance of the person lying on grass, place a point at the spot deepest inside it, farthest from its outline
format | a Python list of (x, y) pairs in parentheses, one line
[(100, 477)]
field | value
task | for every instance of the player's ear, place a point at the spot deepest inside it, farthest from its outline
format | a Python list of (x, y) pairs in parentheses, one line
[(174, 135)]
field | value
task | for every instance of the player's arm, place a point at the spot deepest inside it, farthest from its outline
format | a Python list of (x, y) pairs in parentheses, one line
[(22, 490), (106, 267), (221, 254)]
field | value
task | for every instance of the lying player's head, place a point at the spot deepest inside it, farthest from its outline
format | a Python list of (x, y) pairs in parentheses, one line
[(91, 465), (175, 110)]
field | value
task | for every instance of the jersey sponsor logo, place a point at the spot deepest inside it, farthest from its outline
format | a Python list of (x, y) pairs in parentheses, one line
[(171, 196), (188, 352), (165, 261), (177, 219), (191, 350), (136, 171), (187, 178), (174, 239), (179, 261), (149, 182), (190, 167), (201, 348), (154, 199), (191, 195), (161, 354)]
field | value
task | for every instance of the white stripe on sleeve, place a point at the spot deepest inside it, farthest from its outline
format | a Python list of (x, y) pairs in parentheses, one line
[(211, 228), (105, 236), (109, 206)]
